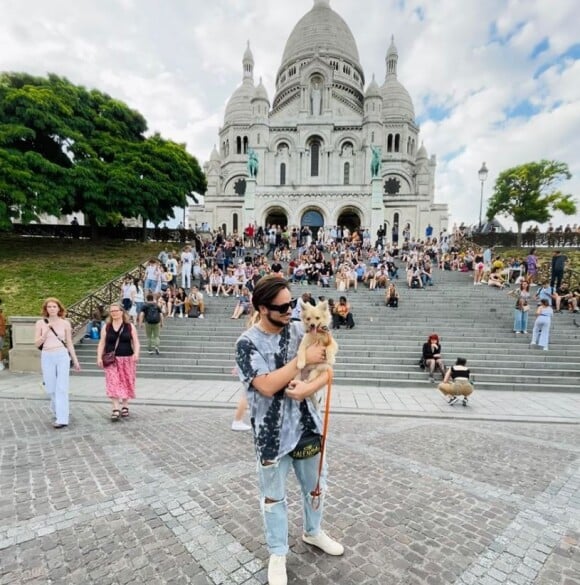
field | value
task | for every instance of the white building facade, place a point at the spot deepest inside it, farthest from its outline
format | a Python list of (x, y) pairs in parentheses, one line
[(314, 143)]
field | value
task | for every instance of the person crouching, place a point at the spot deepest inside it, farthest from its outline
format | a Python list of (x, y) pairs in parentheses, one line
[(456, 382)]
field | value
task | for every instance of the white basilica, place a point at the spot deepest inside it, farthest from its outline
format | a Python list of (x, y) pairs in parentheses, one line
[(314, 143)]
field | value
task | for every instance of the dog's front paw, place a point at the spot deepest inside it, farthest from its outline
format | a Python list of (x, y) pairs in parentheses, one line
[(301, 364)]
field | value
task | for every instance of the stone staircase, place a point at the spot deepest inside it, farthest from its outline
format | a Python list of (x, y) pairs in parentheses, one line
[(385, 346)]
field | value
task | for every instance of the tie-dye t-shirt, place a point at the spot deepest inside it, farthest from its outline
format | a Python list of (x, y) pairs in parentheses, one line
[(278, 421)]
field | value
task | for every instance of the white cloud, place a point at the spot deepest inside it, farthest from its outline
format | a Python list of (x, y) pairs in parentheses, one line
[(179, 62)]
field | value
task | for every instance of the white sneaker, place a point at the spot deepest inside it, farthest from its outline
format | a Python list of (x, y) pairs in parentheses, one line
[(277, 570), (324, 543), (201, 317), (240, 425)]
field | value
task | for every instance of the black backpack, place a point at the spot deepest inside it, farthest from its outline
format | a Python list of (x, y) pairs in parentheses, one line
[(153, 314)]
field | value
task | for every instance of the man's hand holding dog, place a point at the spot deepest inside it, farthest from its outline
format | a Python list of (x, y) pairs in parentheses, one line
[(316, 354)]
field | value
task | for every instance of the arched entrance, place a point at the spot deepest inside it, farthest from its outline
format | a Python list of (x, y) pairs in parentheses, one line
[(349, 217), (314, 220), (276, 216)]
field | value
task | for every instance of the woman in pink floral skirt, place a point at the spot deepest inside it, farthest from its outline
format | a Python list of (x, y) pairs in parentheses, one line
[(120, 336)]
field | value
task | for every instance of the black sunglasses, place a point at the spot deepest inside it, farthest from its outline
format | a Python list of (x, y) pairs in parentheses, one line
[(283, 308)]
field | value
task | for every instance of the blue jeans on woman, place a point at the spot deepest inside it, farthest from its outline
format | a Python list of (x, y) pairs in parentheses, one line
[(541, 331), (272, 479), (55, 375), (520, 321)]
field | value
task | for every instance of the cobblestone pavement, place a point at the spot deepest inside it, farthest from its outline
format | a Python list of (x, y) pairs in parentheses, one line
[(169, 497)]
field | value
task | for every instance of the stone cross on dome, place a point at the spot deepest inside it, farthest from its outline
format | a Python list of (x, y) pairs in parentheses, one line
[(321, 2)]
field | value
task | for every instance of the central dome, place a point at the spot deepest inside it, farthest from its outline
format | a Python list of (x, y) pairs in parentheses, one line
[(321, 29)]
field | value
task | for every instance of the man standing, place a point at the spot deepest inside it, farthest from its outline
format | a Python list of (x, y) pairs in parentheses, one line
[(151, 314), (558, 262), (282, 420)]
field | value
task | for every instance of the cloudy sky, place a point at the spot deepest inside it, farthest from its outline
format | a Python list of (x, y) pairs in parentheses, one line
[(495, 81)]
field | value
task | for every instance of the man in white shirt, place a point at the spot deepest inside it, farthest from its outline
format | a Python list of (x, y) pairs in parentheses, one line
[(186, 266)]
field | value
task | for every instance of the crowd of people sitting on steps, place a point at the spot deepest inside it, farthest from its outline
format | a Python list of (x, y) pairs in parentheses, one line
[(340, 260), (337, 257), (230, 267)]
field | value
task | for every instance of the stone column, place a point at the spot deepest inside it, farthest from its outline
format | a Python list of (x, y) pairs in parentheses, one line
[(24, 356), (377, 209), (250, 201)]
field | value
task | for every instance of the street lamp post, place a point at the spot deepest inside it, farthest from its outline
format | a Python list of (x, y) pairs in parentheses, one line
[(482, 173)]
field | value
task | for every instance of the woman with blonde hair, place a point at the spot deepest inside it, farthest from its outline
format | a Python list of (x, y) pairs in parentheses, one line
[(119, 336), (53, 336)]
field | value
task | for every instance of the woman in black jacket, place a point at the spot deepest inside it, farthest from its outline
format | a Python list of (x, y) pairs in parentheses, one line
[(432, 356)]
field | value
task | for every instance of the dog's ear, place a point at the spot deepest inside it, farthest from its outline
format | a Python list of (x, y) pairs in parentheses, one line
[(301, 303), (323, 305)]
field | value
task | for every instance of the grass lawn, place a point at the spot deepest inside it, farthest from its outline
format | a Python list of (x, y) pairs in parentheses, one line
[(32, 269)]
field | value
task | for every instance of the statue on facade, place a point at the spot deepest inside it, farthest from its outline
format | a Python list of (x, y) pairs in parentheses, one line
[(252, 163), (376, 162), (315, 100)]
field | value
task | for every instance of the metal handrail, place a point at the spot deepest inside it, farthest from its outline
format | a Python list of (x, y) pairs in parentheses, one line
[(81, 312)]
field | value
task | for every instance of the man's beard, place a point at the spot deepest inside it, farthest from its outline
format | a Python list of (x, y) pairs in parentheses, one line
[(275, 322)]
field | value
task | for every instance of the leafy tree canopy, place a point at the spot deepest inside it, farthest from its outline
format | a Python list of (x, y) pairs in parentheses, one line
[(66, 149), (530, 192)]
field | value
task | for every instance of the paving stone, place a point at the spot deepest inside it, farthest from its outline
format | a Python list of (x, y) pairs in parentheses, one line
[(414, 502)]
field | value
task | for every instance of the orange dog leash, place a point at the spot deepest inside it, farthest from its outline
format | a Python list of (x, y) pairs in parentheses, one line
[(316, 493)]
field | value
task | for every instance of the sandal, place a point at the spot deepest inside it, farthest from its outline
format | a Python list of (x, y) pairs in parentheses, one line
[(124, 412), (115, 415)]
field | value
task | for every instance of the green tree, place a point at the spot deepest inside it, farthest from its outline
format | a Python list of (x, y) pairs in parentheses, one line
[(530, 192), (66, 149)]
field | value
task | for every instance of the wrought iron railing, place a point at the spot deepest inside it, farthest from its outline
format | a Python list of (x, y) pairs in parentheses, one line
[(81, 312), (160, 234), (529, 239)]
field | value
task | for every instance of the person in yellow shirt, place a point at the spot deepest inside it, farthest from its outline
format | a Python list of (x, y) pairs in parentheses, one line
[(498, 264)]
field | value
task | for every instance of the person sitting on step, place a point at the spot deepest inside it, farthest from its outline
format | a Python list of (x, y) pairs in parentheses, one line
[(381, 277), (342, 314), (414, 276), (432, 356), (495, 279), (194, 305), (244, 304), (392, 296)]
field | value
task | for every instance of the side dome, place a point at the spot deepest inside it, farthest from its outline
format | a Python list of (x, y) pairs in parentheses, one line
[(397, 102), (321, 29), (373, 90), (239, 107), (215, 155), (422, 153), (261, 92)]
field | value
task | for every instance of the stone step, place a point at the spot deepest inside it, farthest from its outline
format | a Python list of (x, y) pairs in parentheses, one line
[(350, 381), (384, 347)]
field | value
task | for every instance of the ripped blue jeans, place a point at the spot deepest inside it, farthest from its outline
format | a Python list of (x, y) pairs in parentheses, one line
[(272, 480)]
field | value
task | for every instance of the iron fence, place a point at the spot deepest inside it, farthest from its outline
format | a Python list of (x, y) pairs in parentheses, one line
[(81, 312)]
